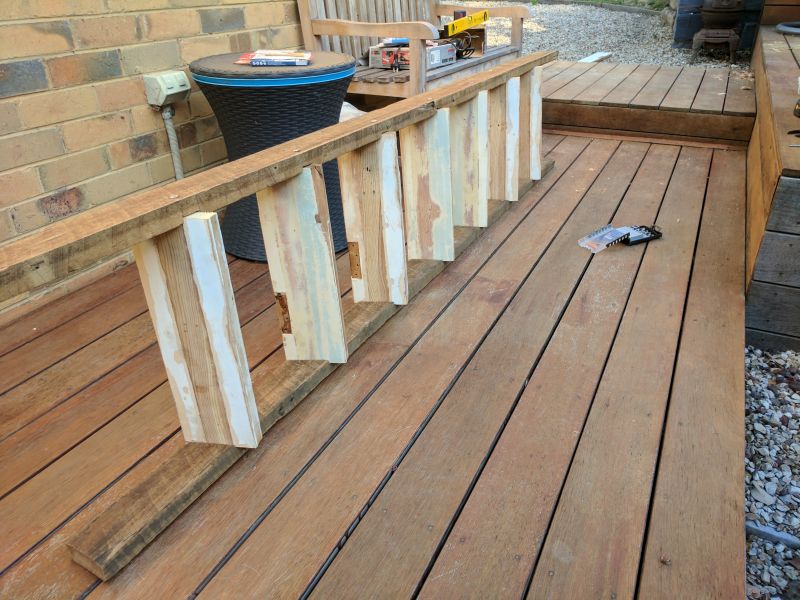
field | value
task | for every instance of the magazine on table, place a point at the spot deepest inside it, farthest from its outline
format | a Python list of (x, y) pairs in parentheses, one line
[(274, 58)]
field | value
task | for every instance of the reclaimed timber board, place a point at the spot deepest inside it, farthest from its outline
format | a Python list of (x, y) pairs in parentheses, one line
[(623, 93), (630, 402), (707, 558), (740, 98), (774, 308), (496, 537), (656, 88), (610, 118), (779, 259), (772, 342), (581, 83), (602, 88), (443, 461), (710, 96), (683, 91), (785, 213)]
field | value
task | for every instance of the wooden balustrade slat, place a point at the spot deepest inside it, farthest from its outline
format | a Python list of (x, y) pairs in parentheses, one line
[(188, 289), (535, 123), (512, 139), (297, 236), (373, 212), (469, 157), (427, 189)]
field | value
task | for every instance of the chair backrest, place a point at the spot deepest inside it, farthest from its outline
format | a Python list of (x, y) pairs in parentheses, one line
[(367, 11)]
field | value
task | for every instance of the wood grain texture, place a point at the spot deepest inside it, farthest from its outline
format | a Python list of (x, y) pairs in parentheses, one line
[(705, 423), (297, 236), (631, 403), (497, 143), (512, 140), (740, 98), (682, 93), (656, 88), (469, 158), (427, 188), (604, 86), (387, 554), (772, 342), (624, 93), (779, 259), (619, 119), (190, 297), (710, 96), (774, 308), (785, 211), (497, 536), (581, 83), (373, 211), (536, 124)]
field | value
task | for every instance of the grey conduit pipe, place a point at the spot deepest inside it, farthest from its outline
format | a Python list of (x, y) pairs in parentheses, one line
[(175, 150)]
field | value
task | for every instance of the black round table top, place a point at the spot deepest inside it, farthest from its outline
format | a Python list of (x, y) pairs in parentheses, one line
[(224, 65)]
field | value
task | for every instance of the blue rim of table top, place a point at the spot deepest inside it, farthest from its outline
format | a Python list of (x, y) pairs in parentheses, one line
[(273, 81)]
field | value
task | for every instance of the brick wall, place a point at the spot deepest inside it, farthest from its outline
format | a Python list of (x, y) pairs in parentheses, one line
[(75, 129)]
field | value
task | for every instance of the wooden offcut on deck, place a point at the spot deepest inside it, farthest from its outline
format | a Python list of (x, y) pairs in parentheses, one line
[(536, 421), (684, 102)]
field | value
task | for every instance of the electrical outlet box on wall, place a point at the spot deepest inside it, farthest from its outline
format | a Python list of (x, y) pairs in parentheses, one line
[(166, 87)]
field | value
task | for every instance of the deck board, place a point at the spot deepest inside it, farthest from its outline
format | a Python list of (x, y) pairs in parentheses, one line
[(446, 438)]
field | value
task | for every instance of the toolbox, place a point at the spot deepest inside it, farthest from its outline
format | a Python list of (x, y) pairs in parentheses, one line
[(394, 57)]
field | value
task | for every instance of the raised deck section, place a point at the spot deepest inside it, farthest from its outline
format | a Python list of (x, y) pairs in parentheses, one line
[(684, 102), (536, 420), (773, 236)]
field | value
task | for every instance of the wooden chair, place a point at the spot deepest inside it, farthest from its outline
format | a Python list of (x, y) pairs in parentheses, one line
[(352, 26)]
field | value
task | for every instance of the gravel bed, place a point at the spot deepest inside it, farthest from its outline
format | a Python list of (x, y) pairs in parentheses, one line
[(772, 471), (577, 31)]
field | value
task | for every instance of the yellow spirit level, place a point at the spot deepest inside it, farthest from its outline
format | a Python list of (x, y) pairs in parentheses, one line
[(459, 25)]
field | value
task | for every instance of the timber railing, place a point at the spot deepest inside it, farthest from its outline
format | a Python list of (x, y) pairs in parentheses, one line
[(418, 180)]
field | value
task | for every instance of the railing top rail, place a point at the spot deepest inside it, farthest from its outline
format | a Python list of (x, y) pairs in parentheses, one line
[(75, 243)]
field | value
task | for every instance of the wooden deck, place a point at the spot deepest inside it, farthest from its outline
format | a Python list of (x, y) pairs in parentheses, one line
[(536, 421), (773, 181), (678, 101)]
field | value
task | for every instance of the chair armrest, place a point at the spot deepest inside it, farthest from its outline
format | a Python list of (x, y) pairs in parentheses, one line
[(514, 12), (413, 30)]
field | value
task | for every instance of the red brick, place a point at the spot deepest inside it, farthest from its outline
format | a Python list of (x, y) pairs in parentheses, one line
[(18, 185), (9, 118), (30, 147), (87, 133), (264, 14), (146, 58), (194, 48), (102, 32), (116, 184), (35, 39), (120, 93), (171, 24), (84, 68), (57, 106), (73, 168)]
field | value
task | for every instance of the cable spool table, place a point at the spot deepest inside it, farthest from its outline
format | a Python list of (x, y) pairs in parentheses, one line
[(260, 107)]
